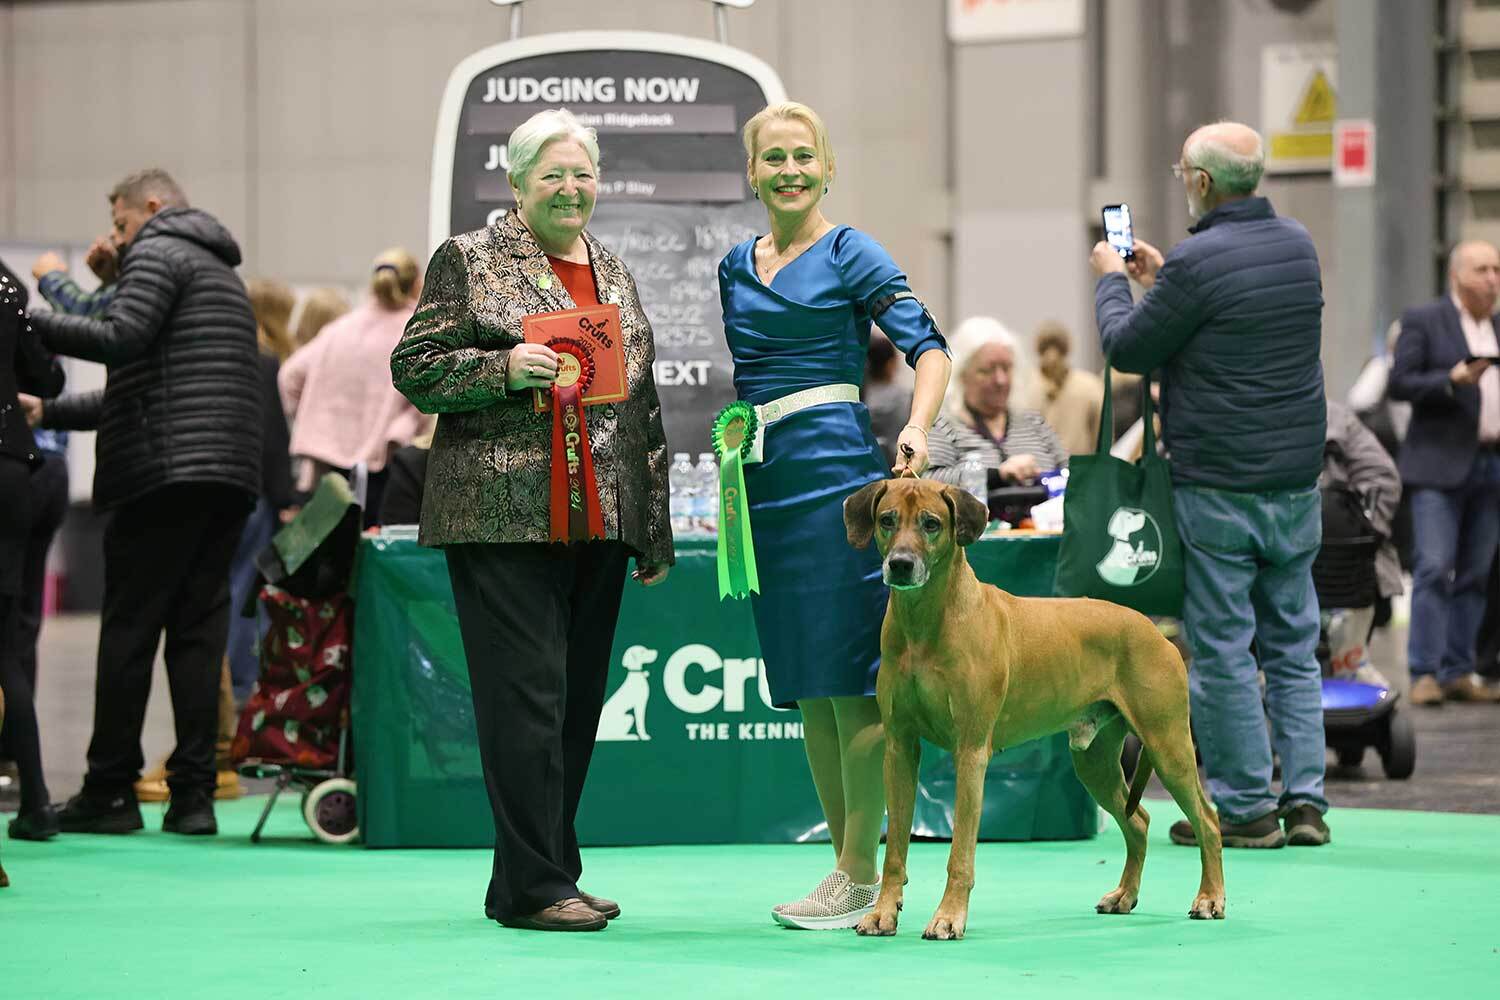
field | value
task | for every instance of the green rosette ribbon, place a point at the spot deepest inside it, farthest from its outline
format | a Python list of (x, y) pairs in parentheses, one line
[(733, 437)]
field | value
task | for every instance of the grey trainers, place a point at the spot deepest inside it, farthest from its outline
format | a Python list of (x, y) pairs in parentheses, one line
[(837, 903)]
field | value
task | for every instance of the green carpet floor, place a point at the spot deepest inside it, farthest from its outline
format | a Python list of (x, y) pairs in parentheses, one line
[(1401, 905)]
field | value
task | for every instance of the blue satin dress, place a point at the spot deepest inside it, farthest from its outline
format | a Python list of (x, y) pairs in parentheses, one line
[(822, 602)]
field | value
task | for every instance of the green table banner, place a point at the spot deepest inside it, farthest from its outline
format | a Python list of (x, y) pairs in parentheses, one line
[(689, 751)]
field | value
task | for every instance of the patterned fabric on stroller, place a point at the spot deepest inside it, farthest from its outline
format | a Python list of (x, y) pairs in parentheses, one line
[(295, 727)]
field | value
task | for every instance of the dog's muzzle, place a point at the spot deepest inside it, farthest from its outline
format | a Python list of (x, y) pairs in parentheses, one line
[(903, 571)]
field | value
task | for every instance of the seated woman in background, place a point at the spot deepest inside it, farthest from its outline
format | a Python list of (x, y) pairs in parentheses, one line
[(1015, 445)]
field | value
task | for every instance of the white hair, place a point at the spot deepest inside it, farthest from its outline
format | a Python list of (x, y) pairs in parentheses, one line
[(532, 136), (964, 345), (1233, 173)]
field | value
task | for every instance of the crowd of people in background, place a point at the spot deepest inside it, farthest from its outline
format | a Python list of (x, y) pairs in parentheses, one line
[(223, 402)]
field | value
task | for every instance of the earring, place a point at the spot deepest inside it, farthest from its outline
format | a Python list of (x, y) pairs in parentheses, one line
[(755, 194), (825, 188)]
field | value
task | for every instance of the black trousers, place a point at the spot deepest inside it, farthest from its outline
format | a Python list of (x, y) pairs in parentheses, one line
[(538, 622), (166, 570), (20, 708), (49, 505)]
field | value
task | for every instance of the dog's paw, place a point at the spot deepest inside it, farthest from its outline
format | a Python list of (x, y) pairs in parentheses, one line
[(1121, 900), (877, 924), (1207, 908), (945, 928)]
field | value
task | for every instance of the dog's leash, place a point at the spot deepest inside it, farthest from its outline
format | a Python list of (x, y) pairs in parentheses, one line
[(908, 453)]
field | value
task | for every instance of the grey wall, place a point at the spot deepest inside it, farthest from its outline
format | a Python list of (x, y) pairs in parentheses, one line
[(1020, 235), (307, 125)]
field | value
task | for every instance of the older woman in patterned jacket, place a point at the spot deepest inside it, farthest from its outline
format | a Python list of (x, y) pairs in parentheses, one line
[(537, 617)]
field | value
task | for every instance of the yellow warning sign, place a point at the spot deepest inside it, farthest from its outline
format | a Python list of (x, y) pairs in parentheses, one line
[(1287, 146), (1318, 105), (1298, 105)]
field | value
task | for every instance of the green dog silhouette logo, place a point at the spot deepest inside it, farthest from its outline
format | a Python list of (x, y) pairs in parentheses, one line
[(1136, 552)]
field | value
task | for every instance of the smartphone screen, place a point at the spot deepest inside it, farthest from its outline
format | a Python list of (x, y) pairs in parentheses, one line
[(1118, 231)]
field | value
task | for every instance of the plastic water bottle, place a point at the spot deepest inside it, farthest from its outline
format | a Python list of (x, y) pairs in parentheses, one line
[(973, 478), (707, 473), (682, 494)]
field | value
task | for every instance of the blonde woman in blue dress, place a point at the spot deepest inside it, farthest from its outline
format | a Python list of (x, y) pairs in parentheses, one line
[(798, 303)]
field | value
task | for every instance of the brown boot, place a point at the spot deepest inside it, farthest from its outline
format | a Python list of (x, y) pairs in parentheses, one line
[(1464, 689), (564, 915), (1305, 827), (1425, 691), (1264, 832)]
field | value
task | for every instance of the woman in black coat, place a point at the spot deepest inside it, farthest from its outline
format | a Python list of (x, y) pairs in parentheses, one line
[(26, 367)]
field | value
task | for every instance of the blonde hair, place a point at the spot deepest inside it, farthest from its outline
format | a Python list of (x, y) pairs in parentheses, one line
[(972, 334), (526, 143), (394, 277), (787, 111), (321, 307), (272, 304)]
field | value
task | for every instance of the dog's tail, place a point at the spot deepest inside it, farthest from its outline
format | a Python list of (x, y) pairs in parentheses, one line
[(1138, 782)]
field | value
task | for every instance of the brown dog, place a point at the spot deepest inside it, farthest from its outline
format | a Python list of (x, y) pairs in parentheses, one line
[(971, 669)]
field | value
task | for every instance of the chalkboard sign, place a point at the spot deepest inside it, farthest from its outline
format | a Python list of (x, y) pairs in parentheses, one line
[(673, 198)]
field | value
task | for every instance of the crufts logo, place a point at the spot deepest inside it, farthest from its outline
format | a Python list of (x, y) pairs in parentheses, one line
[(624, 715), (696, 681), (1136, 552)]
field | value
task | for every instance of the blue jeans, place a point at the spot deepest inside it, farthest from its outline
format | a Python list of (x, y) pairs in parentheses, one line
[(245, 633), (1249, 563), (1454, 537)]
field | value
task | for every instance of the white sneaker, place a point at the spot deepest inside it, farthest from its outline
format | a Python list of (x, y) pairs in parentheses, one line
[(837, 903), (828, 880)]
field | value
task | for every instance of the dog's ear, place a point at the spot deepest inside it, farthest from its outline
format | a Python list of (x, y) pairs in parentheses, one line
[(859, 513), (970, 517)]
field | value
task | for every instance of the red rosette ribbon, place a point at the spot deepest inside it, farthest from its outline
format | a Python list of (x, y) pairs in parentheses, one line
[(576, 516)]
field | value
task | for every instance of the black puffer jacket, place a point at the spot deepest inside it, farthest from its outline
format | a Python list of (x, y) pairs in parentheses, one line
[(183, 399), (24, 367)]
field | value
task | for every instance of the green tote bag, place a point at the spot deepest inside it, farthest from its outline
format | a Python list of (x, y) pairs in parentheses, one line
[(1120, 538)]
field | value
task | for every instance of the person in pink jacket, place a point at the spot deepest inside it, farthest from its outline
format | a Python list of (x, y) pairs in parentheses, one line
[(337, 389)]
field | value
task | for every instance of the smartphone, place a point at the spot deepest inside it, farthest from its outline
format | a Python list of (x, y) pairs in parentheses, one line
[(1118, 231), (1492, 359)]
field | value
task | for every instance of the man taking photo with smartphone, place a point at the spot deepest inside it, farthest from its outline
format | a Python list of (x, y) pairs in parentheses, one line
[(1450, 466), (1232, 317)]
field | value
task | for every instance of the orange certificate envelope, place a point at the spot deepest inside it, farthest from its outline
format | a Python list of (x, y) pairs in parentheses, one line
[(597, 328)]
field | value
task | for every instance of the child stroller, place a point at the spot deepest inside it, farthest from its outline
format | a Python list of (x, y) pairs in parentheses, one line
[(1358, 712), (295, 727)]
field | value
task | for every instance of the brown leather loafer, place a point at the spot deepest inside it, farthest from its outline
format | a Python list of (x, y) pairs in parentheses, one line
[(564, 915), (606, 908)]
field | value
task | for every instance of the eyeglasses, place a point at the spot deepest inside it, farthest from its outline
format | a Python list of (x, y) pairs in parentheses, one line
[(1179, 171)]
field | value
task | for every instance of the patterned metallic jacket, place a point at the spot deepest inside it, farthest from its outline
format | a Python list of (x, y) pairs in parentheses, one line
[(489, 472)]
